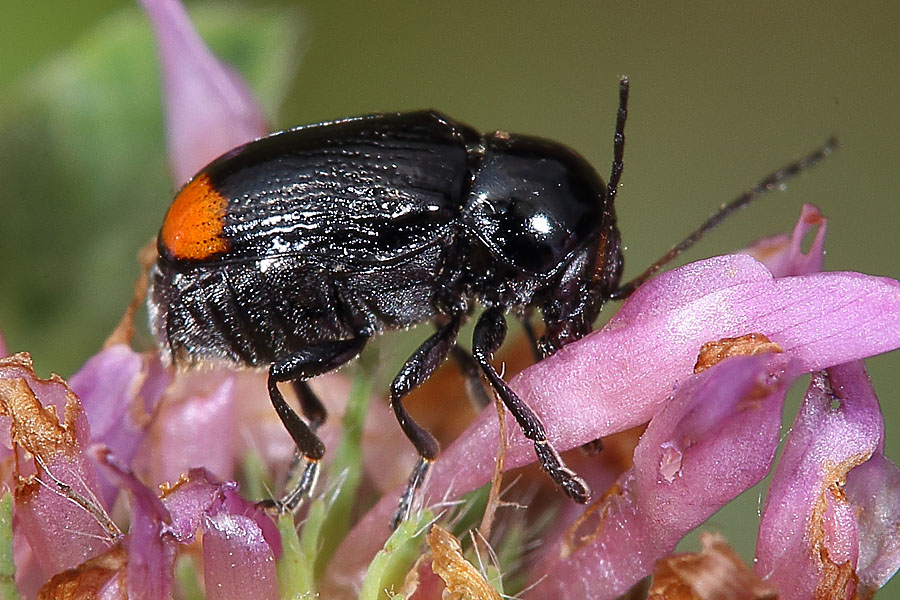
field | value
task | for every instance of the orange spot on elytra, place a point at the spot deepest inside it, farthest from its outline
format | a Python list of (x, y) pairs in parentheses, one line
[(193, 226)]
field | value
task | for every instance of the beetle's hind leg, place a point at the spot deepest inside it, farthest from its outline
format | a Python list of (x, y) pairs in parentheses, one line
[(310, 405), (298, 367), (415, 371), (490, 332), (315, 413)]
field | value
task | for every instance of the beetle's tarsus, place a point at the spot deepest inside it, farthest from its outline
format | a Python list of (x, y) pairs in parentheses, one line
[(408, 498)]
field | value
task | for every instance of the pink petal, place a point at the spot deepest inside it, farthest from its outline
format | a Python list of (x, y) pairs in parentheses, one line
[(238, 563), (29, 575), (51, 392), (200, 494), (873, 489), (714, 439), (62, 533), (209, 108), (808, 536), (119, 390), (151, 548), (620, 376), (784, 255), (190, 500), (234, 504), (194, 427), (240, 541), (3, 351), (600, 472), (107, 385), (239, 560), (212, 419)]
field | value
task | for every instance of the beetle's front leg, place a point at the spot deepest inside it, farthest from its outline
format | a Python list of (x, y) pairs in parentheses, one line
[(490, 332), (298, 367)]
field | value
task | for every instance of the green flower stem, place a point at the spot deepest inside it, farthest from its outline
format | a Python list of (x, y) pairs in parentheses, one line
[(8, 589), (294, 573), (388, 569), (306, 556), (187, 577), (344, 474)]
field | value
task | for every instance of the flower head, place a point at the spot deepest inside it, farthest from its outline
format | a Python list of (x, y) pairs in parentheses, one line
[(639, 368), (701, 356)]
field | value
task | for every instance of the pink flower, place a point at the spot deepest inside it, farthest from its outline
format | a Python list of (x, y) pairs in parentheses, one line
[(64, 530), (63, 504), (711, 435), (829, 524), (45, 517), (830, 519), (209, 108)]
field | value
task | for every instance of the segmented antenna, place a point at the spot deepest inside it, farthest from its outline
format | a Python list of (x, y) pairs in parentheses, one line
[(618, 142), (770, 183)]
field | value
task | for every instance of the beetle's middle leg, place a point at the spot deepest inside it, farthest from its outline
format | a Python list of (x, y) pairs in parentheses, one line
[(475, 390), (298, 367), (417, 369), (490, 332)]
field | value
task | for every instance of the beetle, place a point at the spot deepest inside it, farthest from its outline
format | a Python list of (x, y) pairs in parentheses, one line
[(293, 251)]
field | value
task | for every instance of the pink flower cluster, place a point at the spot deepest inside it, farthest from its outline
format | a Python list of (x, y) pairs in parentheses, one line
[(829, 523), (713, 434)]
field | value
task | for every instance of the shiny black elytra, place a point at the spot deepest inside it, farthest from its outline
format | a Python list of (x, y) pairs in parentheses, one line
[(293, 251)]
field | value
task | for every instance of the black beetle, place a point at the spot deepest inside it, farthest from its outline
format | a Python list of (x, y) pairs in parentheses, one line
[(293, 251)]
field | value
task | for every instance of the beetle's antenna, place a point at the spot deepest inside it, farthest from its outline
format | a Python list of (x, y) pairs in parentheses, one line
[(618, 142), (772, 182)]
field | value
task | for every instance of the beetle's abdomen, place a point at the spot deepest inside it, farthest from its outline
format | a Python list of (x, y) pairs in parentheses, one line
[(255, 313), (241, 314)]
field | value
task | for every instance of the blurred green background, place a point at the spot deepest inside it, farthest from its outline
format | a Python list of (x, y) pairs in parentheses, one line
[(721, 95)]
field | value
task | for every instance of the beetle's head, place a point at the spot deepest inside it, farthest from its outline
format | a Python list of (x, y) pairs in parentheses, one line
[(544, 213), (534, 203)]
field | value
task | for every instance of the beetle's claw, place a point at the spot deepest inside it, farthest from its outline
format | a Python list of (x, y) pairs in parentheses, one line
[(416, 478), (292, 500), (576, 488), (573, 485)]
